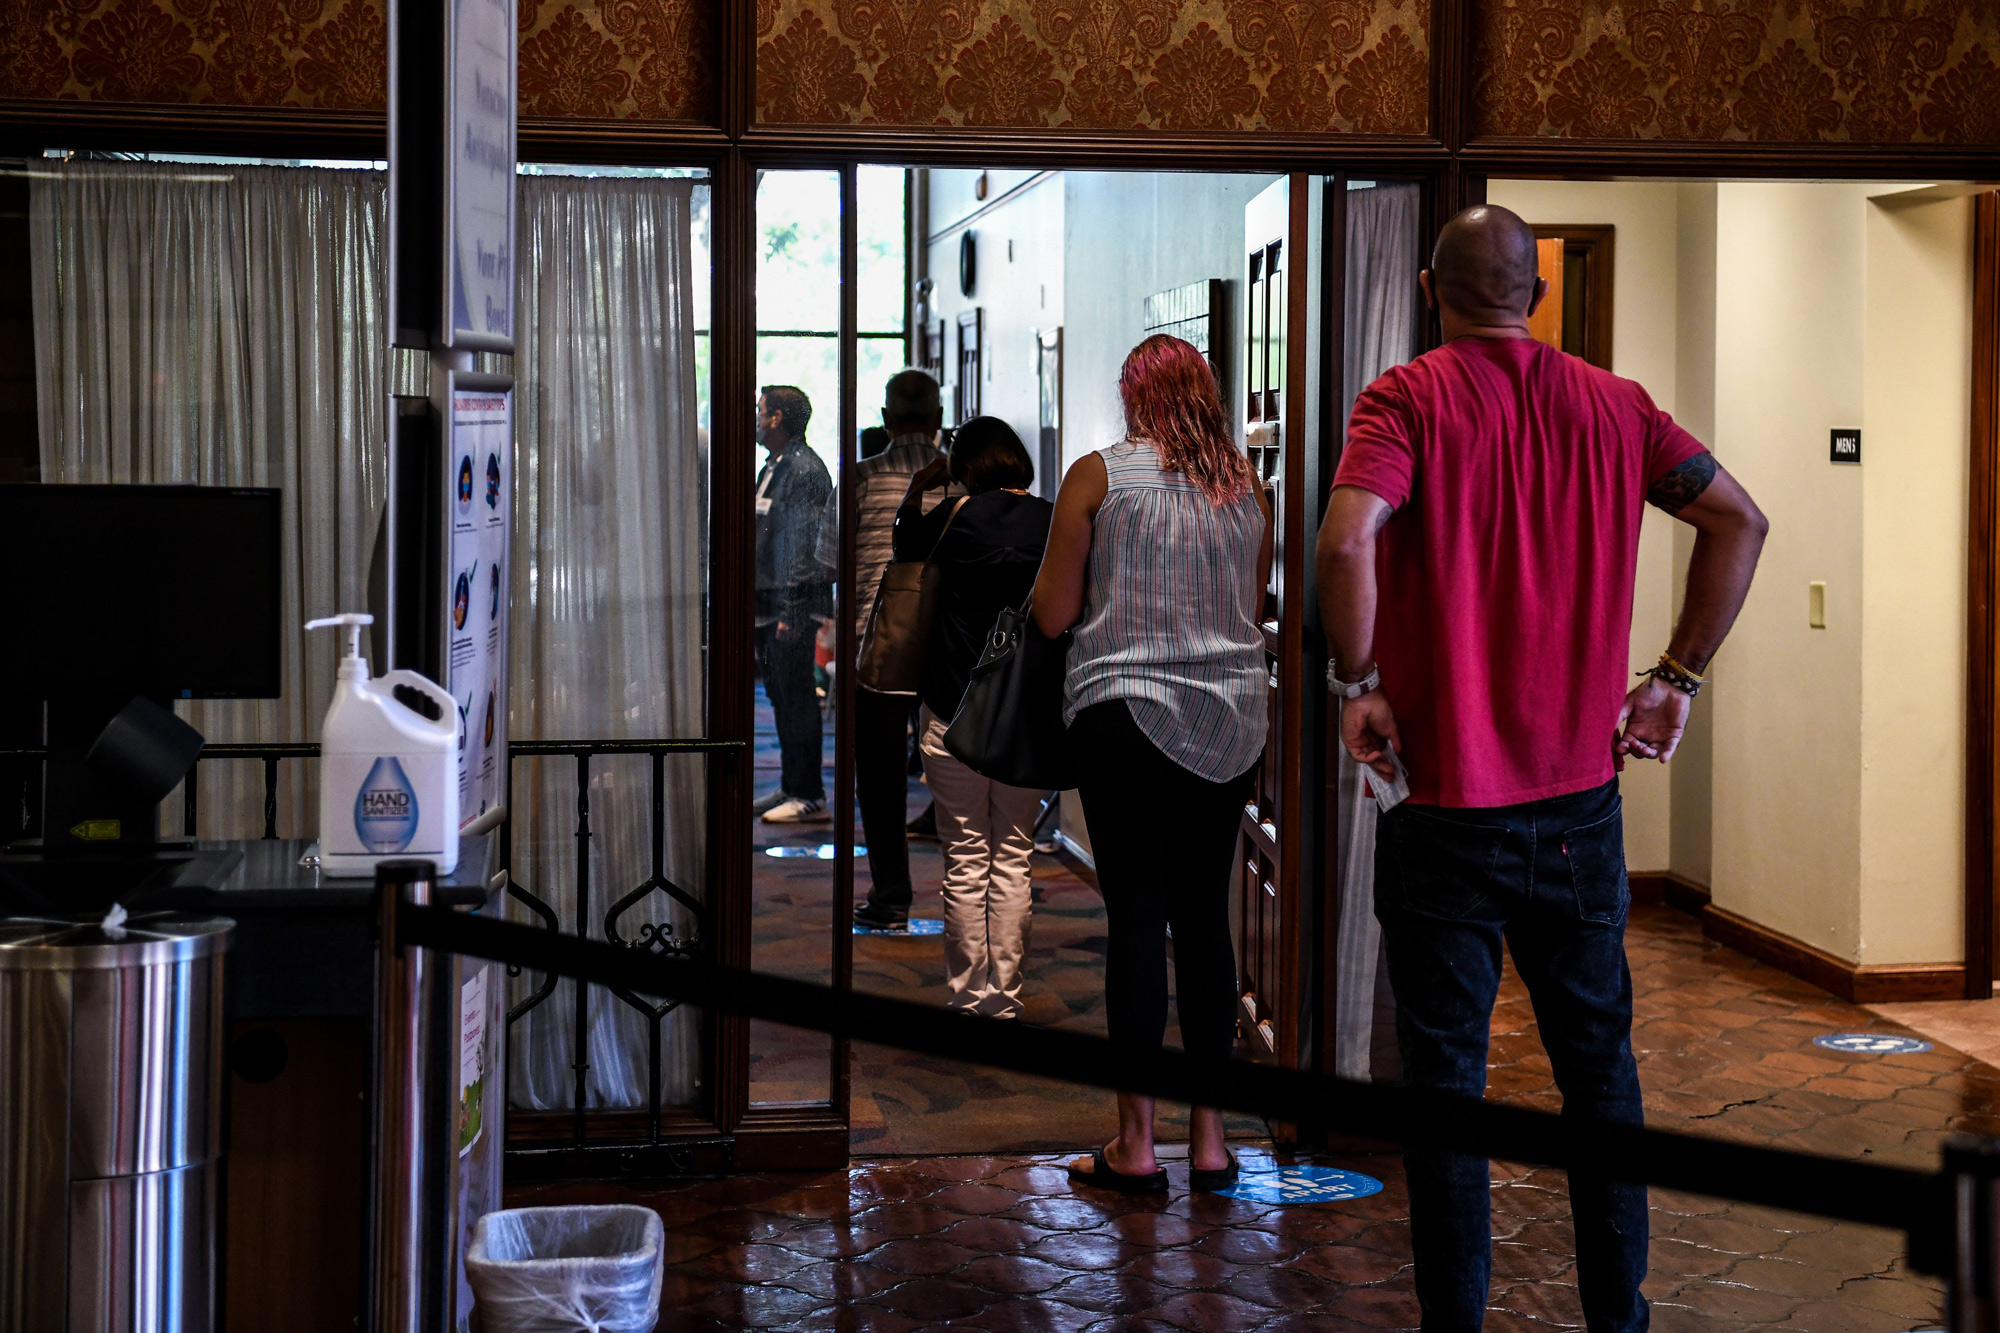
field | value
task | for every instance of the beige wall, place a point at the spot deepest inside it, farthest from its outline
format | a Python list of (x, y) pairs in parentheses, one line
[(1915, 447), (1644, 346), (1790, 292), (1839, 761)]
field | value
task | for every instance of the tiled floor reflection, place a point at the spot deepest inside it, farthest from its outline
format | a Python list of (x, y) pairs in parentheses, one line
[(1002, 1242)]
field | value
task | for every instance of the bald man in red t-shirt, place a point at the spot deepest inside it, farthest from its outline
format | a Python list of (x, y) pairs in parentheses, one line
[(1476, 570)]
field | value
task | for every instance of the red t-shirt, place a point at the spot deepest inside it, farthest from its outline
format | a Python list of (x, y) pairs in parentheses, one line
[(1519, 475)]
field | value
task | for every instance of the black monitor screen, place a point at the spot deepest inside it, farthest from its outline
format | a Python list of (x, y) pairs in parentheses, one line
[(167, 591)]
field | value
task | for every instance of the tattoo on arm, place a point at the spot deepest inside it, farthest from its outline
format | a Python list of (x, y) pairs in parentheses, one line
[(1684, 485)]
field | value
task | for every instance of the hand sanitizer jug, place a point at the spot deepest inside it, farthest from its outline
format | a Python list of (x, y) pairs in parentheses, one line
[(388, 767)]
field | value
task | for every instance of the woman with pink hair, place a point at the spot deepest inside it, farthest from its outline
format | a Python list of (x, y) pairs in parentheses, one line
[(1158, 556)]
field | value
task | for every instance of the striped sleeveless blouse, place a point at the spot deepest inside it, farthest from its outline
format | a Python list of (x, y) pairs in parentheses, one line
[(1169, 621)]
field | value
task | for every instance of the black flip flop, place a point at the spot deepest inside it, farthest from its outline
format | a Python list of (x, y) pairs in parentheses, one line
[(1211, 1182), (1103, 1177)]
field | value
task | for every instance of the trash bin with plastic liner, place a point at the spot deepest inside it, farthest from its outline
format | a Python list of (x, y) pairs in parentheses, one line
[(110, 1122), (577, 1269)]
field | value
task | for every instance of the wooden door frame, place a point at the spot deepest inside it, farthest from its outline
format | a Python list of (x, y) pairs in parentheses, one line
[(1982, 599)]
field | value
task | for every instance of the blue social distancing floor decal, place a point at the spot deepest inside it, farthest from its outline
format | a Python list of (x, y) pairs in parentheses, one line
[(919, 925), (1301, 1184), (823, 852), (1872, 1043)]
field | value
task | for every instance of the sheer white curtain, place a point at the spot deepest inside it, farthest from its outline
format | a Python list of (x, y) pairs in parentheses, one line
[(1381, 331), (223, 325), (609, 588)]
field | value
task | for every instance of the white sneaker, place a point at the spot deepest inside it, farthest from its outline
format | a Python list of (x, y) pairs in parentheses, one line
[(769, 801), (797, 811)]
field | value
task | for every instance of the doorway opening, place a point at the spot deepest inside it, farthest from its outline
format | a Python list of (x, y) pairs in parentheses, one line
[(1020, 292)]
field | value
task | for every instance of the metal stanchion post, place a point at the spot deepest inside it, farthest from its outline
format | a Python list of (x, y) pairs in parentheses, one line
[(411, 1158), (1973, 1166)]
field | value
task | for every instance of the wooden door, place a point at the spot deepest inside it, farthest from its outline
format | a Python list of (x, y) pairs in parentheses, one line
[(1282, 343)]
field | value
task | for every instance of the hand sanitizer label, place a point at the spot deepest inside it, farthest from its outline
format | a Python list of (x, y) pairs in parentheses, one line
[(385, 809), (377, 805)]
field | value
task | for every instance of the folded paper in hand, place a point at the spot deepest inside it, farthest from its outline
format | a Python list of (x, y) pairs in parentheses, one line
[(1388, 792)]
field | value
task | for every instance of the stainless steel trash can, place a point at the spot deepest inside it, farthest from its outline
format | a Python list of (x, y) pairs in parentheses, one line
[(111, 1059)]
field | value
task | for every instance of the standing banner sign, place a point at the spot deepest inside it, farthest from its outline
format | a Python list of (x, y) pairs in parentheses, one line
[(451, 483), (479, 176), (477, 513)]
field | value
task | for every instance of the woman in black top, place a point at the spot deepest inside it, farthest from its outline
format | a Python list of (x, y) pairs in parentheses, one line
[(987, 547)]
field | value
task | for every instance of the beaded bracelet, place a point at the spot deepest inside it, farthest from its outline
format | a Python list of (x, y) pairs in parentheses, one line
[(1669, 672)]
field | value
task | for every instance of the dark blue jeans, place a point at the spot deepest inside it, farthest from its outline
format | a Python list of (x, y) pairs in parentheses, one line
[(1548, 877), (787, 667)]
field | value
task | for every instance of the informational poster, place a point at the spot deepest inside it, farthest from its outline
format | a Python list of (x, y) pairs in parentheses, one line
[(479, 175), (477, 1167), (479, 500), (471, 1058)]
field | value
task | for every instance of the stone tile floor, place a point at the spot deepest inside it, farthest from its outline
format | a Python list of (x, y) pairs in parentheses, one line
[(1001, 1242)]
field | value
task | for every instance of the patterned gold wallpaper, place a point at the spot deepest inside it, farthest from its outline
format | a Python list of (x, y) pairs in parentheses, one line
[(1358, 66), (1864, 71), (631, 59)]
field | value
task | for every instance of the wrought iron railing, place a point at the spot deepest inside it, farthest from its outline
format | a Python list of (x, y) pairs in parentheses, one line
[(655, 938)]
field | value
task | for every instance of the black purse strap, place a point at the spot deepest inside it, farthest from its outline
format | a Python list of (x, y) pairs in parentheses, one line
[(949, 519)]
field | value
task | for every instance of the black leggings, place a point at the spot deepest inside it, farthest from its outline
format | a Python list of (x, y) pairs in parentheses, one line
[(1163, 839)]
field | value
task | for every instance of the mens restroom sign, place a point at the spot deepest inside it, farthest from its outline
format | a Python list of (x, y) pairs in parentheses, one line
[(1846, 445)]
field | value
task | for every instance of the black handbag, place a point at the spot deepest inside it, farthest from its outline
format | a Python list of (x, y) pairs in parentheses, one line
[(1009, 726)]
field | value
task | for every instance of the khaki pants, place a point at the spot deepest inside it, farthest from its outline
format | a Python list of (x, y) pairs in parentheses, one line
[(987, 831)]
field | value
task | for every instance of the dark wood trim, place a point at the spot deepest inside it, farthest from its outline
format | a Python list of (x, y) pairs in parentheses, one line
[(1982, 602), (839, 1082), (1855, 982), (735, 68), (1598, 244), (731, 594), (1583, 158), (790, 1142), (822, 146), (555, 1129), (28, 127), (1452, 74), (1663, 886), (1294, 527), (1860, 983), (1331, 405)]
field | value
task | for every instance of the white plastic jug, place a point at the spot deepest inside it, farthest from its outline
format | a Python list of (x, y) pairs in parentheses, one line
[(388, 768)]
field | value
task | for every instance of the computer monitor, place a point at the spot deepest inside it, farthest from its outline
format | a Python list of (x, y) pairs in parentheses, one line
[(171, 592), (112, 592)]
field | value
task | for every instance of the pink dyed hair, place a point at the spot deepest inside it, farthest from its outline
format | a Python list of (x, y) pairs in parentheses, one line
[(1172, 402)]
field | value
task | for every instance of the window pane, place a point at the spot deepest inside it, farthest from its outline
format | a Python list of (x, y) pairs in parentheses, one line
[(813, 364), (792, 899), (876, 361), (882, 232), (798, 250)]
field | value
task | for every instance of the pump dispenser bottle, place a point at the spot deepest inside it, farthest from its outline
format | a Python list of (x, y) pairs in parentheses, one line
[(388, 777)]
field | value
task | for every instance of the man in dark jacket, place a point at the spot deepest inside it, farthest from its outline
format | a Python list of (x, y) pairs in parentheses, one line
[(793, 593)]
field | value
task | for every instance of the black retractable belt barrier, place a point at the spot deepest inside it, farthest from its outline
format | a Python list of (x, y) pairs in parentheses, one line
[(1948, 1216)]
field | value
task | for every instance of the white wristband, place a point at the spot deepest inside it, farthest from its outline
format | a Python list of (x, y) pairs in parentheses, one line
[(1353, 689)]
